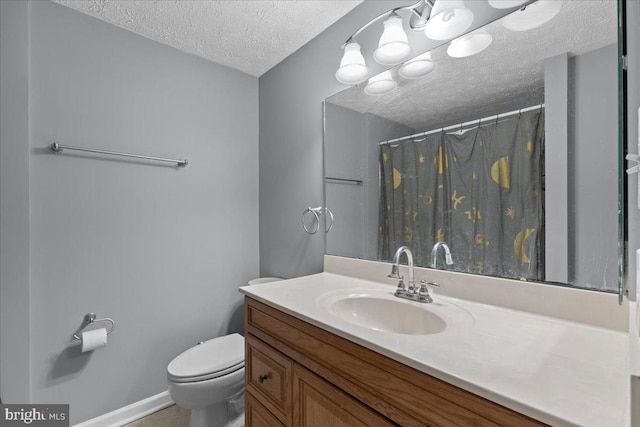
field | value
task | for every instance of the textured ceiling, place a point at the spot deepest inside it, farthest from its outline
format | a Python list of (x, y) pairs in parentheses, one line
[(250, 36), (505, 77)]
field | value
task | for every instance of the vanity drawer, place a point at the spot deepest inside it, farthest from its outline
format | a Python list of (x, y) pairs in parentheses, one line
[(268, 377)]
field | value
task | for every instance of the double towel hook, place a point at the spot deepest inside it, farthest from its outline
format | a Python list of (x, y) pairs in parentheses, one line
[(316, 213)]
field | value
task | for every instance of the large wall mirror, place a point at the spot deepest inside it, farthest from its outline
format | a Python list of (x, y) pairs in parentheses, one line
[(509, 156)]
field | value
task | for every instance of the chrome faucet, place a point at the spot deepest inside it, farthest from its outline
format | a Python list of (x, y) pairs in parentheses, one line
[(434, 254), (411, 292), (395, 270)]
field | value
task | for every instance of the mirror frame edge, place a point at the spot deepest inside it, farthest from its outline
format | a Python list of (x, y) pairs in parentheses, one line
[(623, 238)]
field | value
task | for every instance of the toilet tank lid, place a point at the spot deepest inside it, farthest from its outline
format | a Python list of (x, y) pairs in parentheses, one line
[(261, 280), (211, 356)]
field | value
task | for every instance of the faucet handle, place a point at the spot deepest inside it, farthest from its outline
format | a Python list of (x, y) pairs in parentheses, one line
[(424, 283), (401, 290), (423, 293)]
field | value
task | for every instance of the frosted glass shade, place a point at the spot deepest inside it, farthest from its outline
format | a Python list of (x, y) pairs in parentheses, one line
[(393, 47), (449, 19), (380, 84), (506, 4), (353, 69), (417, 67), (470, 44), (532, 16)]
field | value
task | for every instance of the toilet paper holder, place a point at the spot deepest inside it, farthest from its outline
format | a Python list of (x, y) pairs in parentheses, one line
[(90, 318)]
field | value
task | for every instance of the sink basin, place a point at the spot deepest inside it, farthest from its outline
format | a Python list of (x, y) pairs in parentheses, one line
[(381, 311), (388, 315)]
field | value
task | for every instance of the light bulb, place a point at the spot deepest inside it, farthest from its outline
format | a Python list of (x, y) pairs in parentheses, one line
[(470, 44), (417, 67), (353, 69), (380, 84), (393, 47), (532, 16), (449, 19)]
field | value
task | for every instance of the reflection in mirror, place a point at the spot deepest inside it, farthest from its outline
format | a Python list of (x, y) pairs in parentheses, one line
[(509, 156)]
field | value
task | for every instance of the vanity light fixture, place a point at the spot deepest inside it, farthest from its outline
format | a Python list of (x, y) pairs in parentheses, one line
[(381, 84), (417, 67), (439, 19), (470, 44), (449, 19), (353, 69), (394, 46), (532, 15)]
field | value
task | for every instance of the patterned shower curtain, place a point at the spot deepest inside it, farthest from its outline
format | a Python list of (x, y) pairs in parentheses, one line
[(480, 191)]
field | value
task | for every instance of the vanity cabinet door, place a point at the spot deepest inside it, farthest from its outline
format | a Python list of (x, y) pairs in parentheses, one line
[(257, 415), (319, 404)]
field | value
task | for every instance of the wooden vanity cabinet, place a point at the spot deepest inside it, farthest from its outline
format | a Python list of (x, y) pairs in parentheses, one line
[(300, 375), (296, 396)]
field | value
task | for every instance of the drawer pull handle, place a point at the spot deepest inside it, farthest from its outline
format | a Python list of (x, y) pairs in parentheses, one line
[(263, 378)]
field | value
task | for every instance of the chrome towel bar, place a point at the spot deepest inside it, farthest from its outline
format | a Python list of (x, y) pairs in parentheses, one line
[(345, 180), (57, 148)]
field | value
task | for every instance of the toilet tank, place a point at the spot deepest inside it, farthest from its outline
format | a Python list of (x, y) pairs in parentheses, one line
[(262, 280)]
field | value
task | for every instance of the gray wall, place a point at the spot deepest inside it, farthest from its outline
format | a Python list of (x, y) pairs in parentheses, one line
[(14, 202), (343, 157), (593, 211), (160, 249), (556, 152), (291, 160), (581, 210), (351, 151)]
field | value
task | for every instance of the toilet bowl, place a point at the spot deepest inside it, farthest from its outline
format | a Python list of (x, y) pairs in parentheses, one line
[(209, 379)]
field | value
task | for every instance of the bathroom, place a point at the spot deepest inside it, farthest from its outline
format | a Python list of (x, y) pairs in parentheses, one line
[(161, 250)]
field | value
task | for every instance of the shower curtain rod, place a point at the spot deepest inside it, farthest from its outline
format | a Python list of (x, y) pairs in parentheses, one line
[(461, 125)]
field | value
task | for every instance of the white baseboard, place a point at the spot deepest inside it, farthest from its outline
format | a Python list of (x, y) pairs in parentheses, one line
[(130, 413)]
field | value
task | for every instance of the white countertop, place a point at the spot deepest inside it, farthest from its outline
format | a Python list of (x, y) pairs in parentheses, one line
[(559, 372)]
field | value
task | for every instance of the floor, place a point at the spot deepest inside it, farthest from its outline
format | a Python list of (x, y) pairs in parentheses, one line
[(173, 416)]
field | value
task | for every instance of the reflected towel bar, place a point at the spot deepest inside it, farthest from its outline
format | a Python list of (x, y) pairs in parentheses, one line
[(351, 181), (57, 148)]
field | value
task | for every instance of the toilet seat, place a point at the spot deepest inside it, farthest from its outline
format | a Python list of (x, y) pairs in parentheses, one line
[(212, 359)]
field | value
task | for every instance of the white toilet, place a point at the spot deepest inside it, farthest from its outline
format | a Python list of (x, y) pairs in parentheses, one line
[(209, 379)]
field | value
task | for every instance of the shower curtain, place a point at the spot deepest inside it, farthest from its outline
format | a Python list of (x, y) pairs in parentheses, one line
[(479, 190)]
